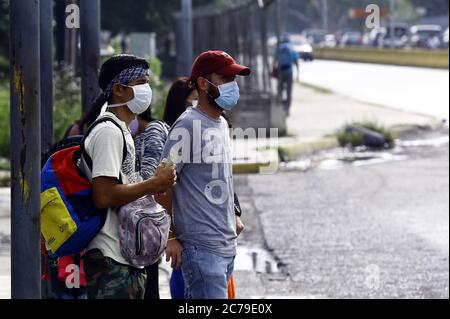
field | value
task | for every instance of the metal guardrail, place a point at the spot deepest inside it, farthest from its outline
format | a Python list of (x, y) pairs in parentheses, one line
[(404, 57)]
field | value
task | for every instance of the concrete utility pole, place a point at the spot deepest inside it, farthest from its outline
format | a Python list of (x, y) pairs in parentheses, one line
[(26, 149), (325, 24), (90, 51), (279, 23), (266, 68), (187, 52), (392, 22), (60, 32), (46, 33)]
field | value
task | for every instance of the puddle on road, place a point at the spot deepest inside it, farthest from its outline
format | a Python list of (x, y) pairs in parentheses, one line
[(433, 142), (339, 159), (300, 165), (358, 159), (255, 259), (361, 156)]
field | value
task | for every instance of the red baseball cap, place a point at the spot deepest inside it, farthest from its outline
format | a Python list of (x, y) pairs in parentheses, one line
[(218, 62)]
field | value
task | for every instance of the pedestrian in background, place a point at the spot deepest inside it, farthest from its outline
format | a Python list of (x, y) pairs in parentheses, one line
[(285, 58)]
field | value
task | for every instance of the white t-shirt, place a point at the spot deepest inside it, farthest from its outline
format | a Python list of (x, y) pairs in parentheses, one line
[(105, 147)]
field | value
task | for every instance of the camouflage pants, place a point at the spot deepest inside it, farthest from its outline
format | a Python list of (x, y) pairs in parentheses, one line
[(107, 279)]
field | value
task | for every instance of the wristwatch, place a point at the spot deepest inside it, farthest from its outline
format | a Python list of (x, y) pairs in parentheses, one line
[(237, 206)]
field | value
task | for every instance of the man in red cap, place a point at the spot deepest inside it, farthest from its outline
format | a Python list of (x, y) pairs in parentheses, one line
[(214, 74), (203, 239)]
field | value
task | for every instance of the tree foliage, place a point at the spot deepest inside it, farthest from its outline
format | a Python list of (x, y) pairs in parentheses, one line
[(145, 15)]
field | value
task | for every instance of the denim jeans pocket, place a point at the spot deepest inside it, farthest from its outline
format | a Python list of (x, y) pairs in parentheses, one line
[(186, 264)]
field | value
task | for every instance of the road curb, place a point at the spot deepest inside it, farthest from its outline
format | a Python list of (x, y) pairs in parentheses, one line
[(295, 150), (399, 131), (286, 152), (248, 168), (402, 57)]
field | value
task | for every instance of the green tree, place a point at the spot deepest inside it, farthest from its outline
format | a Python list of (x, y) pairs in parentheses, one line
[(434, 7), (406, 11), (4, 37)]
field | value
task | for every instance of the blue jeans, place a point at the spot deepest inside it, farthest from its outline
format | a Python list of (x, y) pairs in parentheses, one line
[(206, 275), (177, 289)]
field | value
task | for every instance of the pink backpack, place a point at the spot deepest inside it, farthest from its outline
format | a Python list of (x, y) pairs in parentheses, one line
[(144, 231)]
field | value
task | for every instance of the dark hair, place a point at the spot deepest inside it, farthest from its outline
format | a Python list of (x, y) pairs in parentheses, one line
[(228, 119), (116, 64), (69, 129), (94, 112), (110, 69), (147, 115), (176, 100)]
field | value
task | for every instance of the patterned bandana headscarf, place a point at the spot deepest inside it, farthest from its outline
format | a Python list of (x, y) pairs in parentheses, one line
[(126, 76)]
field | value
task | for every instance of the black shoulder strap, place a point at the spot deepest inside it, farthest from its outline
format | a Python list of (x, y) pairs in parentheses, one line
[(86, 156), (237, 206)]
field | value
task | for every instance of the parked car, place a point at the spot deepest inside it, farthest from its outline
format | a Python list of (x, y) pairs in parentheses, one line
[(445, 39), (315, 37), (303, 47), (375, 37), (381, 37), (351, 38), (367, 39), (272, 43), (425, 36), (400, 38), (340, 33), (330, 41)]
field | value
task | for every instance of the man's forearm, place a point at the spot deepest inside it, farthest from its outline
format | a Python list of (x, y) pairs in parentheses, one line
[(165, 200), (119, 194)]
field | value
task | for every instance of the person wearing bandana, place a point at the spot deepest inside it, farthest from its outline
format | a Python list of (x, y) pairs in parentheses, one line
[(115, 180)]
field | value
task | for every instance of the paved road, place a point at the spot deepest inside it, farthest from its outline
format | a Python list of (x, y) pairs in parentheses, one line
[(378, 231), (418, 90)]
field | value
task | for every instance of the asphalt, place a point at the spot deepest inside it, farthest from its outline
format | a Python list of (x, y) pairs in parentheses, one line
[(352, 231)]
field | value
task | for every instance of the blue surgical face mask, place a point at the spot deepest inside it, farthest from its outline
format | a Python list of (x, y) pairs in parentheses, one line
[(229, 95)]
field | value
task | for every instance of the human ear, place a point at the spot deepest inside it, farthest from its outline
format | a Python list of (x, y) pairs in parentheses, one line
[(117, 90), (202, 84)]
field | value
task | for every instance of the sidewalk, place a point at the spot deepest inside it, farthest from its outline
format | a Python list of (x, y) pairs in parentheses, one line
[(315, 115)]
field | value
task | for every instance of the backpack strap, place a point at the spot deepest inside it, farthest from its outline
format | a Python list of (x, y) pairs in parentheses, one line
[(86, 156)]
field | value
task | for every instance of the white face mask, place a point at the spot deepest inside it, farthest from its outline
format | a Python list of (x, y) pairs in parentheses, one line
[(142, 99)]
